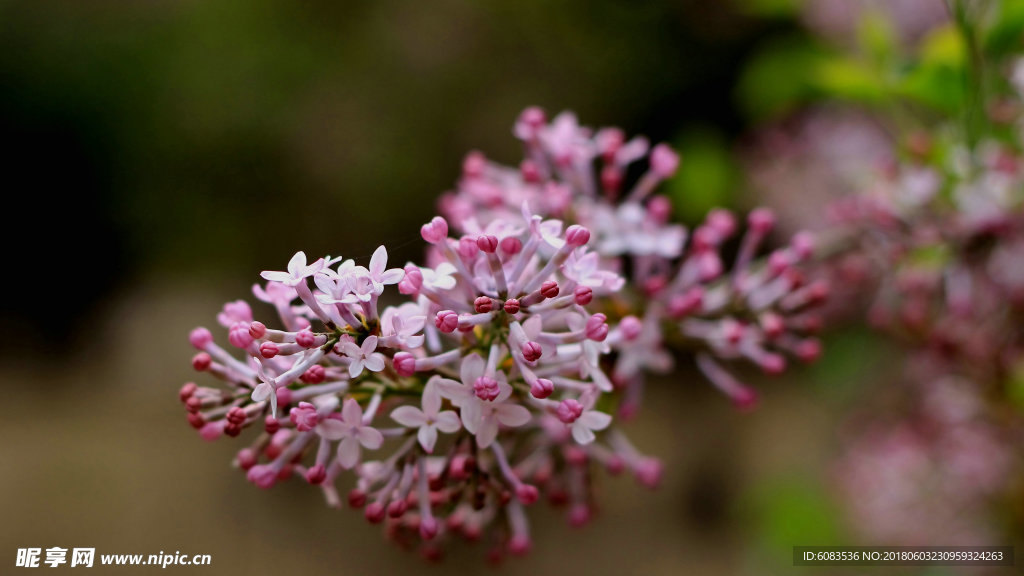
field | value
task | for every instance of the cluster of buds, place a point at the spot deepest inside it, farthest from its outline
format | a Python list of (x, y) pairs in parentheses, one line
[(455, 411), (680, 293)]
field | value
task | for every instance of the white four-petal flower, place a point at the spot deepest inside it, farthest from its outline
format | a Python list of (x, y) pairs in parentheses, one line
[(297, 272), (482, 417), (352, 433), (364, 356), (430, 419)]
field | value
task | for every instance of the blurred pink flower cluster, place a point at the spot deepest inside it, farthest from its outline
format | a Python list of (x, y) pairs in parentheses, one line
[(549, 291)]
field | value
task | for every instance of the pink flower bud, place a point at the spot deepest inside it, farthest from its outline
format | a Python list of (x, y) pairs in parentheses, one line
[(474, 164), (803, 244), (397, 508), (577, 236), (238, 335), (542, 388), (487, 243), (529, 171), (196, 421), (201, 361), (435, 231), (211, 431), (597, 329), (611, 177), (405, 364), (772, 325), (304, 416), (413, 280), (446, 321), (659, 209), (316, 475), (200, 338), (305, 338), (569, 411), (187, 391), (246, 458), (530, 122), (257, 330), (583, 295), (686, 303), (579, 515), (236, 416), (519, 544), (549, 289), (773, 364), (375, 512), (268, 350), (664, 161), (262, 475), (486, 388), (648, 472), (722, 222), (761, 220), (512, 306), (284, 396), (314, 375), (429, 528), (531, 351), (193, 405), (745, 399), (271, 425), (808, 350), (356, 498), (483, 304), (631, 327), (467, 248), (511, 245)]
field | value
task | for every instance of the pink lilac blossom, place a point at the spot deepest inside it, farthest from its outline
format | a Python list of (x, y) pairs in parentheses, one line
[(940, 475), (760, 310), (449, 409)]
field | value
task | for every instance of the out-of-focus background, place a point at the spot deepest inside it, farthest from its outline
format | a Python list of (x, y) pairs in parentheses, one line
[(160, 154)]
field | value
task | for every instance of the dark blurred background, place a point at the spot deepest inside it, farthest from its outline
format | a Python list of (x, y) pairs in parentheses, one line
[(161, 153)]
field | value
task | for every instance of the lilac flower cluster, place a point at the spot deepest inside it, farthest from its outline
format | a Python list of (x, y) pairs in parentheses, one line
[(940, 244), (681, 294), (455, 410)]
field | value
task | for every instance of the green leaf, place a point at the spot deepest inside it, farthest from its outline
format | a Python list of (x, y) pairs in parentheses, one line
[(850, 79), (1006, 33)]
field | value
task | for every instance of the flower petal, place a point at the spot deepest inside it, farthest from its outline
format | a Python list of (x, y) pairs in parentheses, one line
[(512, 415), (348, 452), (595, 420), (448, 422), (431, 398), (378, 262), (297, 263), (472, 368), (355, 368), (427, 437), (352, 413), (275, 276), (487, 433), (331, 429), (582, 434), (371, 438), (409, 416), (374, 362)]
